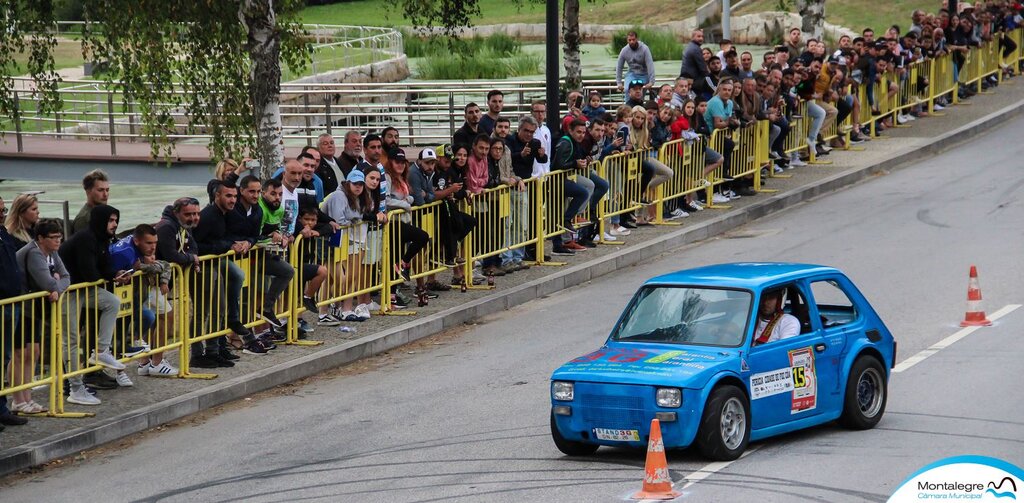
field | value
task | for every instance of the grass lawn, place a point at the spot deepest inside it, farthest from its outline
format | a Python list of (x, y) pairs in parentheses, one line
[(373, 12), (68, 53), (859, 14)]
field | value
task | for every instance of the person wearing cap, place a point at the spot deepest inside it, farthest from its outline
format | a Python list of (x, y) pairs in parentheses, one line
[(638, 60), (347, 206), (407, 240), (635, 96), (419, 177)]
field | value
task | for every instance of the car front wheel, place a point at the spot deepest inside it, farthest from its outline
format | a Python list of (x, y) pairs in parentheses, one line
[(725, 425), (866, 394), (570, 447)]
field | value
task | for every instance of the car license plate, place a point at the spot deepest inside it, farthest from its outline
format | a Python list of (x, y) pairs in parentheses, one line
[(617, 435)]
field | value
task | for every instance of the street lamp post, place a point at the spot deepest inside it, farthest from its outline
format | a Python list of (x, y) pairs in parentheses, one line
[(552, 75)]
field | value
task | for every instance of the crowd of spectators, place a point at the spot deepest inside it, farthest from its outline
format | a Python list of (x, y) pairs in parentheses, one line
[(326, 195)]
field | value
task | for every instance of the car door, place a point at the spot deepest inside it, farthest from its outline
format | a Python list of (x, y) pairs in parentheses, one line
[(840, 320), (784, 374)]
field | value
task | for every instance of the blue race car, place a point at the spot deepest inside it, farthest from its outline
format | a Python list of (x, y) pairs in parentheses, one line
[(725, 354)]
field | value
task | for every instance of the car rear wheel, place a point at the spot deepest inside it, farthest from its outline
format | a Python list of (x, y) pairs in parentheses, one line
[(725, 425), (866, 394), (569, 447)]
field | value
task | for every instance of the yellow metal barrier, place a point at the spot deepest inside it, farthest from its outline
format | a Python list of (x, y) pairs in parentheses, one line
[(24, 339), (349, 255), (503, 222), (623, 173), (686, 158), (716, 176)]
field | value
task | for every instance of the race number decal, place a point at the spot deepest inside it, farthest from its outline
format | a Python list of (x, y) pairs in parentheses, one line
[(805, 382), (771, 383)]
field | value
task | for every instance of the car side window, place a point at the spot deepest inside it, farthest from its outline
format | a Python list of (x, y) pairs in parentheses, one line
[(834, 305), (796, 304)]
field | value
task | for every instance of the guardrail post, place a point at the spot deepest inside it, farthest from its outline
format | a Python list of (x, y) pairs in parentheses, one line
[(327, 112), (408, 112), (17, 121), (131, 122), (451, 114), (110, 123), (305, 104)]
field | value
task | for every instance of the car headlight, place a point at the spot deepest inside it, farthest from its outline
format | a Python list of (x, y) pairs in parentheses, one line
[(669, 397), (562, 391)]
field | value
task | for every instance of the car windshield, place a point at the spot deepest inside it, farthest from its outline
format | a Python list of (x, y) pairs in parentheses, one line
[(686, 315)]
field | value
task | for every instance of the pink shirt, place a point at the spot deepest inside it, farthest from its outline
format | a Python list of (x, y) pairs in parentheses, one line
[(476, 174)]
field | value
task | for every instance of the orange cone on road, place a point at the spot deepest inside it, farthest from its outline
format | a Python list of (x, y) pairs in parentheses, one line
[(975, 314), (657, 481)]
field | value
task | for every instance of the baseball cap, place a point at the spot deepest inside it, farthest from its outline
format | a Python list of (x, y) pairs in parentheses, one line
[(397, 154), (635, 82), (445, 151), (356, 176), (428, 153)]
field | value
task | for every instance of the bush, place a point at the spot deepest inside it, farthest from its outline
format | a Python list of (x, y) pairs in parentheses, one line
[(485, 64), (663, 44), (497, 56)]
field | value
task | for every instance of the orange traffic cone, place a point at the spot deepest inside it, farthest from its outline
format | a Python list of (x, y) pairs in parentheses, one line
[(975, 315), (657, 481)]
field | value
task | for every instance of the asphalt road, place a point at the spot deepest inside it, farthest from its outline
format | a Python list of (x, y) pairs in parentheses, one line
[(466, 418)]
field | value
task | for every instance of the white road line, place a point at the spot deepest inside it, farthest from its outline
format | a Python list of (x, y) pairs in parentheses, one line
[(948, 341), (712, 468)]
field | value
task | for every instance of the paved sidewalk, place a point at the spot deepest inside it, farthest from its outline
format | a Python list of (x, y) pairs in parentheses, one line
[(156, 401)]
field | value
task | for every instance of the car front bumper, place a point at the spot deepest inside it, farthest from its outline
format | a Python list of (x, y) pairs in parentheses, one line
[(625, 407)]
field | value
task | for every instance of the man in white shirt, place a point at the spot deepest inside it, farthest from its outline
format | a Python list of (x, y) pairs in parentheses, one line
[(539, 109), (290, 181), (772, 323)]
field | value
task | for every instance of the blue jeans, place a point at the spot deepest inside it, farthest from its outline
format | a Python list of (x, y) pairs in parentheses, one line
[(818, 118), (601, 187), (517, 228)]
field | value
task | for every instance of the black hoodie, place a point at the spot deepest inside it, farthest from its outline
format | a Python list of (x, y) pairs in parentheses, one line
[(86, 254), (174, 243)]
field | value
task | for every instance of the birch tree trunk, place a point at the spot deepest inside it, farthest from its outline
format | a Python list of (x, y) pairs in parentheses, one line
[(571, 49), (813, 14), (264, 46)]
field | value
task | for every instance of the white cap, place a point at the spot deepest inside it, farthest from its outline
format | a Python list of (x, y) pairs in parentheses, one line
[(428, 153)]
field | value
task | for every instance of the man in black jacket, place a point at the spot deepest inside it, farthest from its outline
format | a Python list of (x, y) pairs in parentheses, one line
[(328, 168), (213, 238), (87, 258), (247, 224), (11, 285), (470, 129)]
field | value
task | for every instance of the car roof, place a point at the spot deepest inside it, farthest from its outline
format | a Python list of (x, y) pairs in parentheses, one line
[(747, 275)]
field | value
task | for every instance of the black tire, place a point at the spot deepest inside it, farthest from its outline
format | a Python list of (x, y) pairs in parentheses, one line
[(866, 394), (569, 447), (725, 424)]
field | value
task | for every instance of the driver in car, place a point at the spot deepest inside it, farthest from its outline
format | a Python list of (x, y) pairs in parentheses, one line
[(772, 323)]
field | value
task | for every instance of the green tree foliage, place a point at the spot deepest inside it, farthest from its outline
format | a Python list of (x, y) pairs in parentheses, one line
[(171, 58)]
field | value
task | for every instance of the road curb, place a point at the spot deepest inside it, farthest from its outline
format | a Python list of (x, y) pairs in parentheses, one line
[(87, 437)]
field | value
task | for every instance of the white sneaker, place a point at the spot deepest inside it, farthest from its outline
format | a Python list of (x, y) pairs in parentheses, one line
[(719, 199), (678, 213), (123, 380), (105, 359), (349, 316), (363, 312), (703, 182), (82, 397), (776, 168), (795, 162), (609, 237), (901, 119), (910, 117), (730, 194), (141, 343), (620, 231), (163, 370), (373, 306), (696, 205), (936, 106), (143, 369)]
